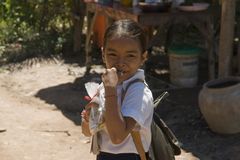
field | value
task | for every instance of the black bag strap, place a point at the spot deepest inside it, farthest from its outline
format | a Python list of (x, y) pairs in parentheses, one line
[(168, 134), (165, 129)]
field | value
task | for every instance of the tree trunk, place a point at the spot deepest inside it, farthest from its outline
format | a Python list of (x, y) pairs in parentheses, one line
[(44, 13), (78, 11), (226, 37)]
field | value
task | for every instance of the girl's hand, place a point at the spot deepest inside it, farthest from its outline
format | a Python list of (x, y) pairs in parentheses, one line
[(85, 115), (110, 77), (85, 122), (86, 112)]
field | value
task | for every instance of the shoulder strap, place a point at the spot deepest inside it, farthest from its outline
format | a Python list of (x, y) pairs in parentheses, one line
[(138, 143), (135, 134)]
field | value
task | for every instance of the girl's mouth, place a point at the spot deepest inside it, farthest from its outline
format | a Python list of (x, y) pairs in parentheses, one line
[(119, 72)]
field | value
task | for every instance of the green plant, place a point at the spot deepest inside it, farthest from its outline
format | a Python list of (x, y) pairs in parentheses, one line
[(40, 27)]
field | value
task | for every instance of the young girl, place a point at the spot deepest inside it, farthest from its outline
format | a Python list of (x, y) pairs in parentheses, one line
[(127, 107)]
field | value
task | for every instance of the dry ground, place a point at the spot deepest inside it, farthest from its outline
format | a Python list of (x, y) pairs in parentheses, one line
[(33, 129), (39, 116)]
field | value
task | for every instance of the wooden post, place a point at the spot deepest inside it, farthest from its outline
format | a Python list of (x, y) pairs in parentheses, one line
[(238, 55), (226, 37), (91, 18), (78, 11)]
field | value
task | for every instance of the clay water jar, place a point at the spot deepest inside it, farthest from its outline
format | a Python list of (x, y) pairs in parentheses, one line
[(219, 102)]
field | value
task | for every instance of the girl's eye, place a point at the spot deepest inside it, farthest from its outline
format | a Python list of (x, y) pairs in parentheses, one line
[(111, 54), (131, 56)]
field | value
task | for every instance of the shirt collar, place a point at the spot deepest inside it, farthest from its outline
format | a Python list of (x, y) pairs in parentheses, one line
[(138, 75)]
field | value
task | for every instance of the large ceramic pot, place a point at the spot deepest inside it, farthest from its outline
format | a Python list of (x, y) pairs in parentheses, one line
[(219, 102)]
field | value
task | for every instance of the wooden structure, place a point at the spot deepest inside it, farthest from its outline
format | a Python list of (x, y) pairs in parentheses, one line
[(226, 38), (202, 20)]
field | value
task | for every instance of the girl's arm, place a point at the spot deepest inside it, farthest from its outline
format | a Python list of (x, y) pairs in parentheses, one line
[(85, 129), (118, 126)]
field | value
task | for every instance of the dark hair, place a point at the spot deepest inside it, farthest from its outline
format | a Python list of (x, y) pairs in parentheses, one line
[(126, 28)]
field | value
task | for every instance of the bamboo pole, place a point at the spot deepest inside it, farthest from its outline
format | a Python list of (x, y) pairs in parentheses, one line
[(226, 37)]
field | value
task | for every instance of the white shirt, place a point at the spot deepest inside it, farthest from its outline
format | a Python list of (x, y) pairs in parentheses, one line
[(137, 104)]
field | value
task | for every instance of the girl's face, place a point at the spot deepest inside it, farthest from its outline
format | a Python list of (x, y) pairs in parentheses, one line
[(125, 55)]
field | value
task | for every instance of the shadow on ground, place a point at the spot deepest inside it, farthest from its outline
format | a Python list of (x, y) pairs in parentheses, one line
[(68, 97)]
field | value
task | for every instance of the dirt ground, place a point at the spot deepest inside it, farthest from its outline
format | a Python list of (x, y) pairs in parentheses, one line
[(39, 116)]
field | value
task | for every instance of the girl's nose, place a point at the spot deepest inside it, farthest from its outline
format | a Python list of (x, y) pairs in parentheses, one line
[(121, 62)]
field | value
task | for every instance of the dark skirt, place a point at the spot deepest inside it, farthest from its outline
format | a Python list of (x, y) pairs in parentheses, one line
[(121, 156)]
